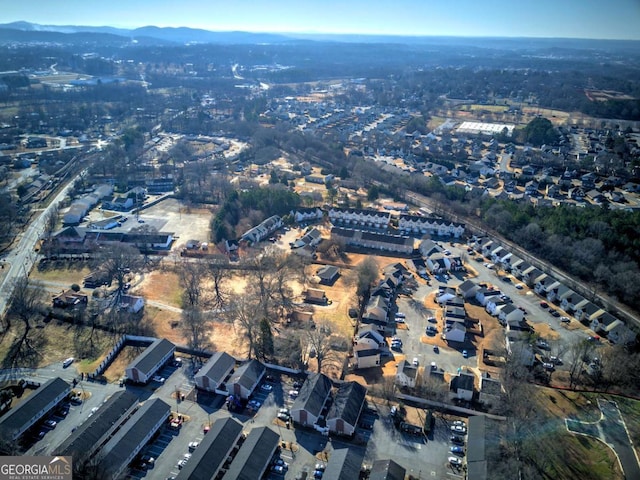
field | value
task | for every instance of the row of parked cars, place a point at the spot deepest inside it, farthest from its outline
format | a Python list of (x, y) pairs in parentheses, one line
[(459, 431)]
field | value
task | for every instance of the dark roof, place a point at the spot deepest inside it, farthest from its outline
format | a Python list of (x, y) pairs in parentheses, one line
[(476, 453), (217, 367), (146, 238), (248, 374), (212, 451), (148, 359), (491, 386), (387, 470), (18, 417), (384, 238), (93, 431), (408, 369), (313, 394), (360, 211), (348, 402), (132, 434), (254, 456), (465, 381), (343, 464), (343, 232), (370, 352), (328, 272)]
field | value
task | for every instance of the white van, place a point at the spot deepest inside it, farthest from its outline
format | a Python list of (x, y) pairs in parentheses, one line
[(67, 362)]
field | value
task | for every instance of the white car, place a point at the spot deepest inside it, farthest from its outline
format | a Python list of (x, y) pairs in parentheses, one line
[(455, 461), (415, 361), (458, 429), (158, 379), (265, 387), (294, 393), (193, 445)]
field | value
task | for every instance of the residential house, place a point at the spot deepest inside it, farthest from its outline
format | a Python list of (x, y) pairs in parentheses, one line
[(462, 385), (131, 303), (531, 275), (587, 311), (328, 274), (603, 323), (347, 406), (387, 470), (413, 224), (129, 440), (214, 373), (343, 464), (556, 292), (69, 298), (456, 332), (429, 247), (310, 239), (246, 378), (35, 407), (494, 304), (263, 230), (509, 313), (483, 295), (304, 215), (417, 265), (312, 398), (570, 301), (208, 460), (94, 432), (367, 358), (255, 455), (490, 390), (518, 346), (444, 294), (467, 289), (438, 263), (620, 334), (406, 374), (518, 269), (376, 241), (315, 295), (543, 283), (368, 338), (150, 361), (359, 218)]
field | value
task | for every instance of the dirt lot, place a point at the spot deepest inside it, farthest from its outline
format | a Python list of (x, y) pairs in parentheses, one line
[(185, 222)]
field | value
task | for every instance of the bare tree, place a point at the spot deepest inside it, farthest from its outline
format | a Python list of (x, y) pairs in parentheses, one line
[(220, 275), (366, 274), (25, 304), (197, 327), (118, 262), (578, 355), (191, 276), (242, 311), (318, 343)]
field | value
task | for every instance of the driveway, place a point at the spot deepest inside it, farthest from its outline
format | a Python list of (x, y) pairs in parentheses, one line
[(611, 430)]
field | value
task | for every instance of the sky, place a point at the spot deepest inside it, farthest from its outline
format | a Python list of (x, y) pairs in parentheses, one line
[(599, 19)]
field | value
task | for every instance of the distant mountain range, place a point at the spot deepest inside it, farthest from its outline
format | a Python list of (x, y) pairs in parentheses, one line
[(33, 32)]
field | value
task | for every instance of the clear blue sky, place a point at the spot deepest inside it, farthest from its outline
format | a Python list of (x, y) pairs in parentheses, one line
[(617, 19)]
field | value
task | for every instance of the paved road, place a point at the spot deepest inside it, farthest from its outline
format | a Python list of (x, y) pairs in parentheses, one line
[(23, 256), (612, 430)]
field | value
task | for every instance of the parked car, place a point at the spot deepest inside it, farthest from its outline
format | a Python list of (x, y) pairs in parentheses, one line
[(400, 315), (193, 445), (465, 354), (297, 385), (181, 464), (457, 450), (265, 387), (548, 366), (555, 313), (455, 461), (294, 393), (317, 474), (50, 423), (158, 378), (415, 361), (456, 439), (565, 319), (458, 429), (519, 286), (544, 305), (279, 469), (458, 422), (436, 349), (254, 404)]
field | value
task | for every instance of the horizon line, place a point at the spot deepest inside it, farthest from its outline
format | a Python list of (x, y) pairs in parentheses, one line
[(353, 34)]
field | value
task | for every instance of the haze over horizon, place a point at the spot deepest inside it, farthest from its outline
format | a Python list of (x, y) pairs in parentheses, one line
[(589, 19)]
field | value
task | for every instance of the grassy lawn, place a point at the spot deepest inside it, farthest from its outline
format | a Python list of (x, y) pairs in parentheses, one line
[(561, 454), (62, 272)]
